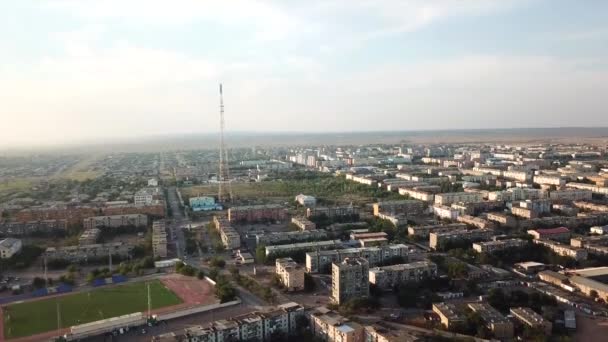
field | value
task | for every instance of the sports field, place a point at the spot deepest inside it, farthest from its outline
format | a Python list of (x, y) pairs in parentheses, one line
[(38, 316)]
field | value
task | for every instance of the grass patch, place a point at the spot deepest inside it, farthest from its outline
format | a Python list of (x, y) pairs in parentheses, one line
[(30, 318)]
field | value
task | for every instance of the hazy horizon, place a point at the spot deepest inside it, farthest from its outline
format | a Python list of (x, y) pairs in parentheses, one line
[(90, 72)]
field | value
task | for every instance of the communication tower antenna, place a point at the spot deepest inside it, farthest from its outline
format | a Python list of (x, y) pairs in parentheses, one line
[(225, 188)]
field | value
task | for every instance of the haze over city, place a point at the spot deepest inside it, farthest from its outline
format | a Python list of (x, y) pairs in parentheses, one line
[(74, 71)]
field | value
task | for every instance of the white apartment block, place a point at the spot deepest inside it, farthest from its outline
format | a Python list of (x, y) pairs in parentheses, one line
[(10, 247), (387, 277), (418, 194), (349, 279), (556, 180), (290, 273), (445, 212), (455, 197)]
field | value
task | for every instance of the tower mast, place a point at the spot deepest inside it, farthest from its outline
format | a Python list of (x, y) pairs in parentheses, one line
[(225, 188)]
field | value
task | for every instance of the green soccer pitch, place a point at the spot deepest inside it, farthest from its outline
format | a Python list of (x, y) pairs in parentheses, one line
[(39, 316)]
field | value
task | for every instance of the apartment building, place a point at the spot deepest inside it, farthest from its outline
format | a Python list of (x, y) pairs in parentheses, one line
[(290, 273), (520, 176), (498, 324), (328, 325), (499, 245), (475, 208), (332, 212), (257, 213), (303, 223), (530, 318), (9, 247), (424, 231), (88, 252), (289, 237), (455, 197), (156, 209), (564, 250), (320, 261), (445, 212), (230, 237), (304, 247), (143, 197), (46, 227), (570, 195), (476, 222), (502, 219), (159, 239), (558, 234), (116, 221), (255, 326), (398, 220), (386, 277), (422, 195), (405, 207), (555, 180), (591, 206), (449, 315), (438, 239), (71, 214), (600, 230), (305, 200), (89, 236), (349, 279)]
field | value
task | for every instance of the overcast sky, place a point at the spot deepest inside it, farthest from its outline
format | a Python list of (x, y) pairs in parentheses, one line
[(80, 70)]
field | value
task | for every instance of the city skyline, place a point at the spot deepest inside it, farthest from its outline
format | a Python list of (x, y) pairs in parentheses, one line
[(96, 71)]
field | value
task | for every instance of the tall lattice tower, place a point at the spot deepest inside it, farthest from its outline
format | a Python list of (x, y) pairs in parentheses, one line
[(225, 188)]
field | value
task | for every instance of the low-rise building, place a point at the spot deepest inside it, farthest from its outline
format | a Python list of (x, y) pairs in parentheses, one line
[(564, 250), (290, 273), (449, 315), (530, 318), (349, 279), (204, 203), (116, 221), (257, 213), (307, 201), (89, 236), (9, 247), (499, 245), (405, 207), (329, 326), (422, 195), (303, 223), (600, 230), (386, 277), (455, 197), (304, 247), (438, 239), (570, 195), (558, 234), (279, 238), (552, 277), (498, 324), (331, 212), (502, 219), (424, 231), (46, 227), (89, 252), (476, 222), (445, 212), (398, 220)]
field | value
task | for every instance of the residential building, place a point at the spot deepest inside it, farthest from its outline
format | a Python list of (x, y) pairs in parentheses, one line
[(449, 315), (570, 195), (306, 201), (332, 212), (418, 194), (159, 239), (499, 245), (304, 246), (144, 197), (9, 247), (438, 239), (89, 252), (279, 238), (257, 213), (601, 230), (454, 197), (424, 231), (303, 223), (330, 326), (261, 326), (530, 318), (230, 237), (156, 209), (476, 222), (290, 273), (350, 279), (498, 324), (89, 236), (564, 250), (398, 220), (45, 227), (405, 207), (445, 212), (558, 234), (555, 180), (386, 277), (502, 219), (320, 261), (116, 221)]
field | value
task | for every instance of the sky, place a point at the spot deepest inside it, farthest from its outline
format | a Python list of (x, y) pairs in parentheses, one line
[(82, 70)]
